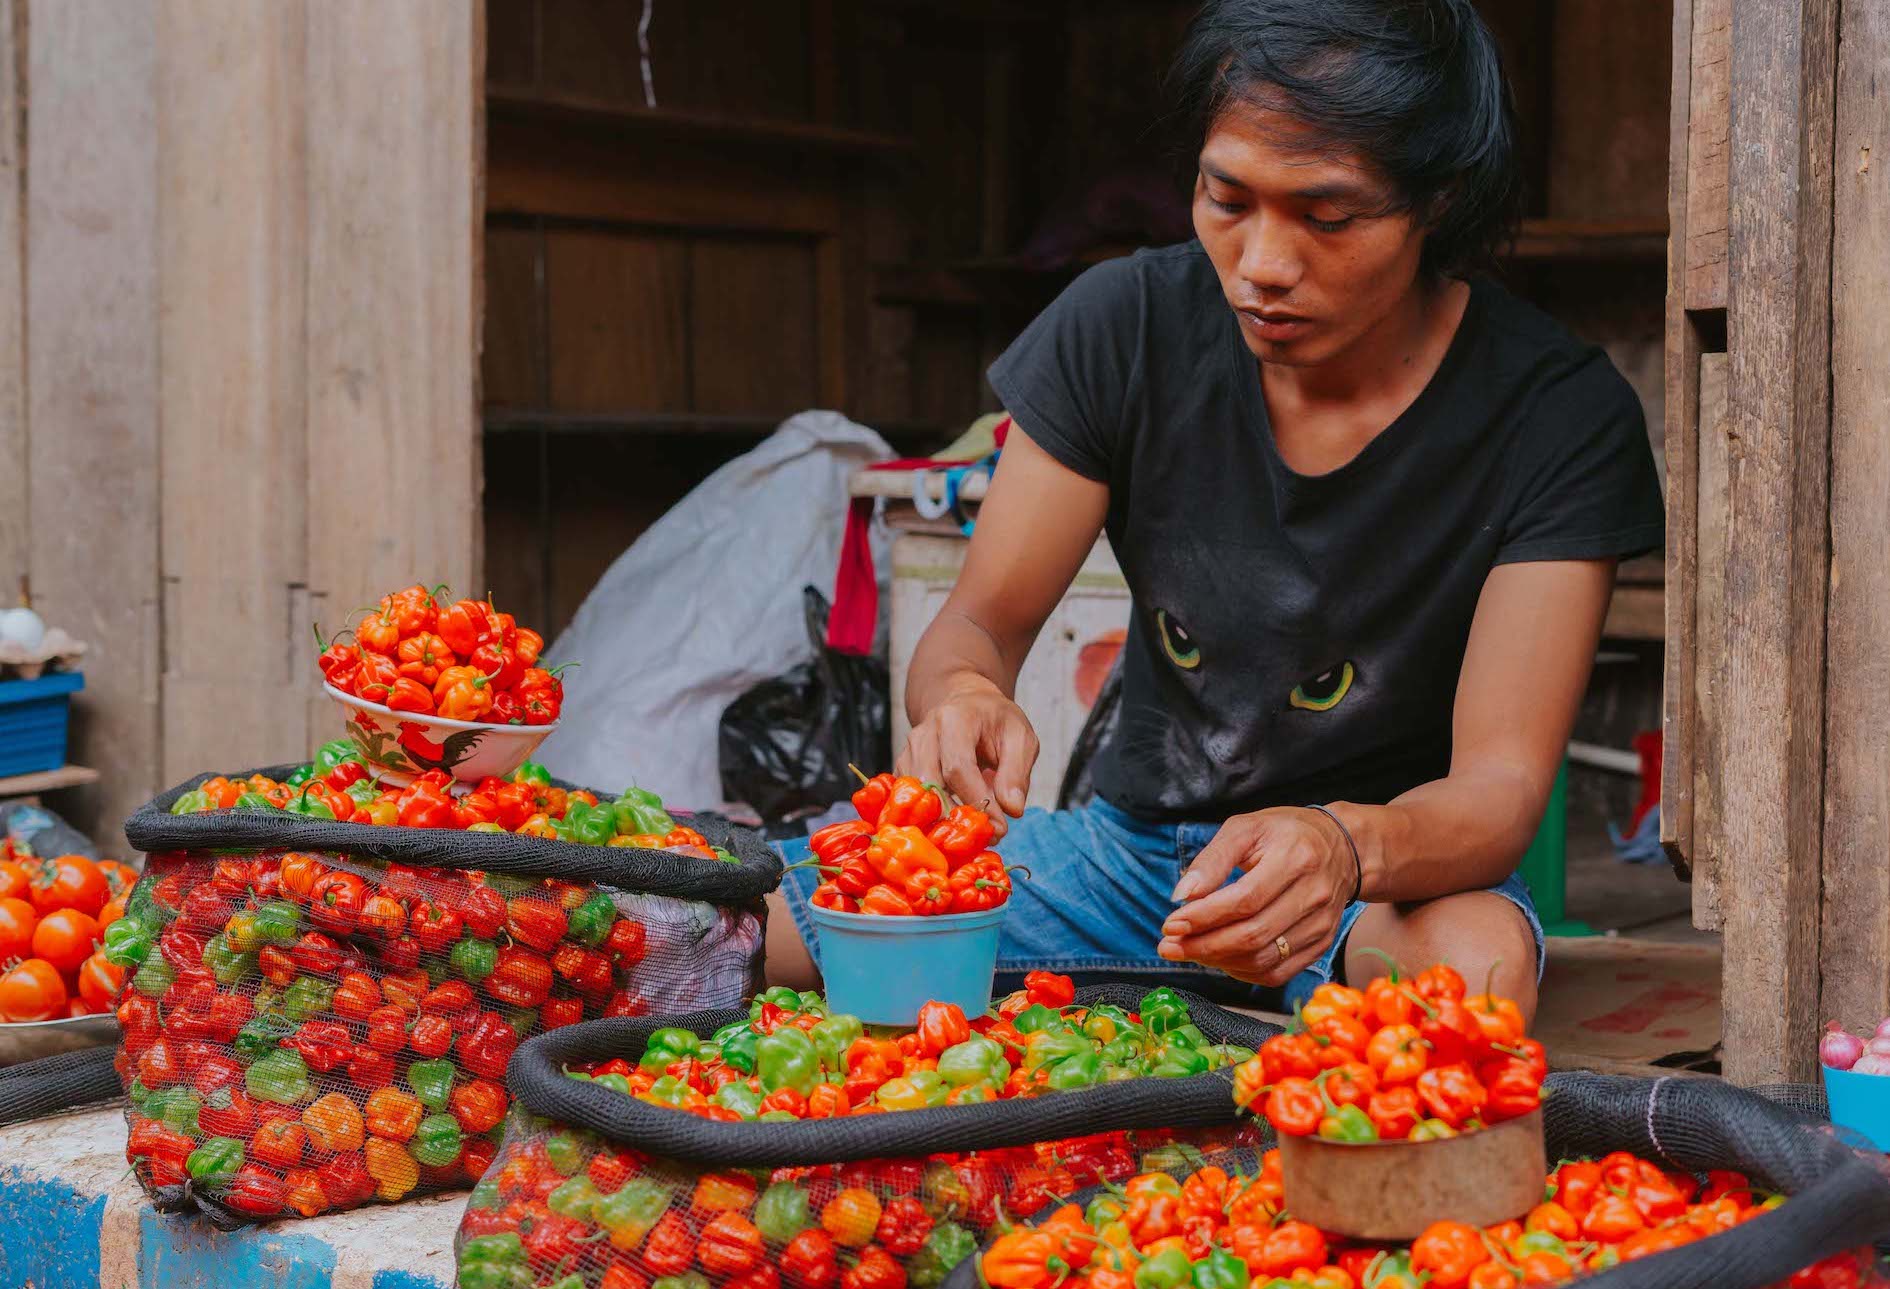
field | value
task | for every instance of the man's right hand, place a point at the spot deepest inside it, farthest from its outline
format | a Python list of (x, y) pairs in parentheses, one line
[(979, 745)]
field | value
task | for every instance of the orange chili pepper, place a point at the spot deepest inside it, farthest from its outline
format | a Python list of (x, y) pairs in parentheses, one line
[(393, 1114)]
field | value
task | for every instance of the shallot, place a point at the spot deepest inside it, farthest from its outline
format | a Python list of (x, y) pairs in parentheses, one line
[(1878, 1046), (1839, 1050), (1883, 1028), (1871, 1063)]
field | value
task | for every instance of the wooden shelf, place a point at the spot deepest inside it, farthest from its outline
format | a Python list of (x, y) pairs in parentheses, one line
[(603, 114), (973, 283), (515, 420), (1617, 241), (66, 776)]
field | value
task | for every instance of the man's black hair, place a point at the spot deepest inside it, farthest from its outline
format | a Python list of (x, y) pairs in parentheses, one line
[(1415, 86)]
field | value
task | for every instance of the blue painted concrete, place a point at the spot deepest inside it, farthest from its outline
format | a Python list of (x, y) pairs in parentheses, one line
[(403, 1280), (181, 1252), (52, 1233)]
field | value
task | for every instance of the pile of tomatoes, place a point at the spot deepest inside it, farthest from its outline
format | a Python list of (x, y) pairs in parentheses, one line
[(53, 914), (461, 660), (1400, 1060), (1220, 1231)]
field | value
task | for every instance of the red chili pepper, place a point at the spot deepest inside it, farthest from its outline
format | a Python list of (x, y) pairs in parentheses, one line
[(434, 926), (1451, 1093), (487, 1047), (431, 1036), (315, 954), (519, 978), (963, 834), (536, 923), (483, 912), (941, 1025), (1048, 989), (837, 843), (370, 1069), (335, 901), (870, 799), (322, 1044)]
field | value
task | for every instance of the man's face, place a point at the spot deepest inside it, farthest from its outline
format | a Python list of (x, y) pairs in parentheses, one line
[(1305, 260)]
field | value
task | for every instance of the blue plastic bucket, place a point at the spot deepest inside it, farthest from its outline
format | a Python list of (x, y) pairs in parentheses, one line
[(883, 969), (1860, 1102)]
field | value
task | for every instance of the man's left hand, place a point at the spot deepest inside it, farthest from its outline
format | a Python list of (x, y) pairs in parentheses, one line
[(1283, 912)]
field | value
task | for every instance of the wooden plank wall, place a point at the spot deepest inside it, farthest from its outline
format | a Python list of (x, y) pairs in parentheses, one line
[(239, 249), (1778, 376), (92, 370), (1855, 939)]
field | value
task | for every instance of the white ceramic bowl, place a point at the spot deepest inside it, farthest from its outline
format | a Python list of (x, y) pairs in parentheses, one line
[(403, 745)]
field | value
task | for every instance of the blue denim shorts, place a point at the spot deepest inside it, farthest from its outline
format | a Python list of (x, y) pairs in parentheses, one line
[(1096, 898)]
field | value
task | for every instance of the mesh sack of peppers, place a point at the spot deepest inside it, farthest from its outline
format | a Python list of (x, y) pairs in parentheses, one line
[(1660, 1184), (319, 1014), (787, 1146)]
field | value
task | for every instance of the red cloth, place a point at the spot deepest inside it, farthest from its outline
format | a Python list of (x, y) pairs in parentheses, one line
[(855, 615)]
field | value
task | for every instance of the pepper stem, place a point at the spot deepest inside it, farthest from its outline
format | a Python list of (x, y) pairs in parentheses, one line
[(1413, 996), (861, 774), (1388, 960), (1489, 983)]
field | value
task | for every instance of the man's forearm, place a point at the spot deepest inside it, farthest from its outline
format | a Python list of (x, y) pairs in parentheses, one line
[(955, 654), (1463, 832)]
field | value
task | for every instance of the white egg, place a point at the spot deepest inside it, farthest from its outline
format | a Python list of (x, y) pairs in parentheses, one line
[(22, 627)]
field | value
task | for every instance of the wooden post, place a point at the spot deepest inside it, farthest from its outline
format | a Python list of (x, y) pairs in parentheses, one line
[(233, 256), (15, 518), (92, 371), (396, 213), (1855, 941), (1778, 333)]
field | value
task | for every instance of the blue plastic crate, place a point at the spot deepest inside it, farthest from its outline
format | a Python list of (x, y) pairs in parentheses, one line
[(33, 721)]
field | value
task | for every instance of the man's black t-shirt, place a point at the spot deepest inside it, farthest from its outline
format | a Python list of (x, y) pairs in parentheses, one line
[(1298, 639)]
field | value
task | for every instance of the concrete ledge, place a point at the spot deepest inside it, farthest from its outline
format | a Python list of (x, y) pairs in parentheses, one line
[(75, 1218)]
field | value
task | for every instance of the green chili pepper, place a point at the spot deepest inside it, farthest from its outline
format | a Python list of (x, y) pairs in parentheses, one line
[(1175, 1157), (1348, 1123), (493, 1262), (531, 772), (1169, 1269), (510, 884), (736, 1042), (778, 1116), (1056, 1046), (253, 801), (137, 1093), (586, 825), (194, 802), (572, 1281), (615, 1082), (781, 1212), (976, 1060), (225, 962), (565, 1153), (1220, 1269), (432, 1082), (473, 958), (781, 996), (362, 791), (1036, 1017), (1103, 1210), (485, 1194), (948, 1245), (176, 1106), (127, 942), (666, 1046), (154, 977), (787, 1059), (637, 810), (278, 922), (591, 921), (436, 1141), (977, 1093), (1080, 1071), (306, 997), (740, 1098), (1125, 1050), (934, 1088), (215, 1162), (333, 753), (299, 775), (809, 1001), (311, 807), (1431, 1130), (1228, 1055), (280, 1077), (1174, 1061), (727, 857), (670, 1091), (631, 1210), (1162, 1010), (1189, 1035), (833, 1036)]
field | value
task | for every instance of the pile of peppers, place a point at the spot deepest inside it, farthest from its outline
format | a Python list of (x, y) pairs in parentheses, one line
[(302, 1033), (1216, 1231), (908, 854), (565, 1210), (339, 785), (793, 1059), (461, 660), (1401, 1060)]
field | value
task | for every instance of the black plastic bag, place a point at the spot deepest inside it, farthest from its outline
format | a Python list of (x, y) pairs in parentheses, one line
[(785, 744)]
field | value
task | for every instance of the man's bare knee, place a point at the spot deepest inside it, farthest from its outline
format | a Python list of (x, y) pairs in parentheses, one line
[(1485, 937)]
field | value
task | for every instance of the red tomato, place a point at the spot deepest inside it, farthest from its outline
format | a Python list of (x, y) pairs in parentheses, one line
[(100, 982), (17, 921), (67, 882), (65, 938), (119, 878), (32, 991), (14, 882)]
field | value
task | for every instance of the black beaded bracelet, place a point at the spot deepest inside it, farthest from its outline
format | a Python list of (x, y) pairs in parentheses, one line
[(1358, 868)]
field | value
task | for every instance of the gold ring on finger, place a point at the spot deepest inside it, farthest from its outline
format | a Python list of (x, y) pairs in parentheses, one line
[(1285, 948)]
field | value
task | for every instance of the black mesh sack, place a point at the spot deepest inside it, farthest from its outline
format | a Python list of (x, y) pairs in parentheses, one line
[(58, 1085), (624, 1193), (319, 1014), (1839, 1197)]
